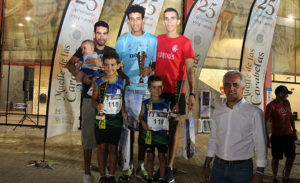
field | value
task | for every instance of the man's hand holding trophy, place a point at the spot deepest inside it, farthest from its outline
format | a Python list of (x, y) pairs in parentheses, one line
[(101, 95), (178, 88)]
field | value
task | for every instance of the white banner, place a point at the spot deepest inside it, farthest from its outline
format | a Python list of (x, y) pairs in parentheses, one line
[(153, 9), (64, 102), (257, 45), (200, 27)]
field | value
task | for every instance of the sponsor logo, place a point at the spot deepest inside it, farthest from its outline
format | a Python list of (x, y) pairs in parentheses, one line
[(76, 35), (260, 39), (164, 55), (134, 55), (197, 40), (175, 48)]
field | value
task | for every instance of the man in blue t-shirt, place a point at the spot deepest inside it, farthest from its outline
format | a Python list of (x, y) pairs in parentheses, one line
[(127, 47)]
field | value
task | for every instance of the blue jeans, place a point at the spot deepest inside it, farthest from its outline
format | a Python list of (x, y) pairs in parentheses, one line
[(234, 173)]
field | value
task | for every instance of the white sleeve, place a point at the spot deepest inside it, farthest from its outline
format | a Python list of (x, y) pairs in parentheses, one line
[(212, 142), (259, 138)]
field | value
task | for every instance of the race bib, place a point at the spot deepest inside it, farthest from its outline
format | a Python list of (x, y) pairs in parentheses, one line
[(158, 120), (112, 103)]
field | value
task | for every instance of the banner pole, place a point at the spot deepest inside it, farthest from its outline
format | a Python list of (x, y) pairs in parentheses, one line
[(43, 163), (188, 16), (124, 18), (245, 35)]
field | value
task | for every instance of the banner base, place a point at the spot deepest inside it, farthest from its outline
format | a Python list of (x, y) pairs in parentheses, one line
[(95, 168), (42, 164), (178, 171)]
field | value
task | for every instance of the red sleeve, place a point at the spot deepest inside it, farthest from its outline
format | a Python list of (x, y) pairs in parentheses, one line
[(289, 105), (268, 110), (188, 49)]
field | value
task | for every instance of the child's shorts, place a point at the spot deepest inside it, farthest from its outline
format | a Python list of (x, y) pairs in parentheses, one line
[(160, 148), (108, 135)]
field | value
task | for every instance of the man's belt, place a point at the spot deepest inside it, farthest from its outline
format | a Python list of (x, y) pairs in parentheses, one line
[(232, 162)]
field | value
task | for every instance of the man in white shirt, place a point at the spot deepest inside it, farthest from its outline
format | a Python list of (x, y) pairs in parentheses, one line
[(237, 129)]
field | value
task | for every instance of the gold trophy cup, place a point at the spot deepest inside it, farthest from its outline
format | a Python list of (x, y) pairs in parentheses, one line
[(141, 56), (178, 87), (101, 94)]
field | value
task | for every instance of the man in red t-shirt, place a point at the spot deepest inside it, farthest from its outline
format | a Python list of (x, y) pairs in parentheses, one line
[(174, 59), (282, 132)]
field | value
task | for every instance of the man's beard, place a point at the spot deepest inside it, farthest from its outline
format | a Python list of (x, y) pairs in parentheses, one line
[(100, 43)]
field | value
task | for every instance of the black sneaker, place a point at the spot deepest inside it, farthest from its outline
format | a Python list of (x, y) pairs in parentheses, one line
[(111, 179), (128, 174), (287, 181), (124, 178), (156, 175), (141, 173), (150, 181), (103, 179), (161, 180)]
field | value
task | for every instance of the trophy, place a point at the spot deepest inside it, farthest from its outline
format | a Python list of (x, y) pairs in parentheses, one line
[(101, 94), (178, 87), (141, 61)]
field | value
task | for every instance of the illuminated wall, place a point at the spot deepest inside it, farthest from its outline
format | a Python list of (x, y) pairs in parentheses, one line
[(30, 29), (225, 51)]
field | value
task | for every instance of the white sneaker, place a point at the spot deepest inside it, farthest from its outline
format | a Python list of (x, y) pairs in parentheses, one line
[(88, 178), (90, 92)]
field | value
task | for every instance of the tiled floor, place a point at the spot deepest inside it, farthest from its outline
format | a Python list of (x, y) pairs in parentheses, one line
[(64, 153)]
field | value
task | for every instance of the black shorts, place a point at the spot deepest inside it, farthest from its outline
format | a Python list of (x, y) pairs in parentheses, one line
[(108, 135), (132, 136), (171, 97), (160, 148), (283, 144)]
